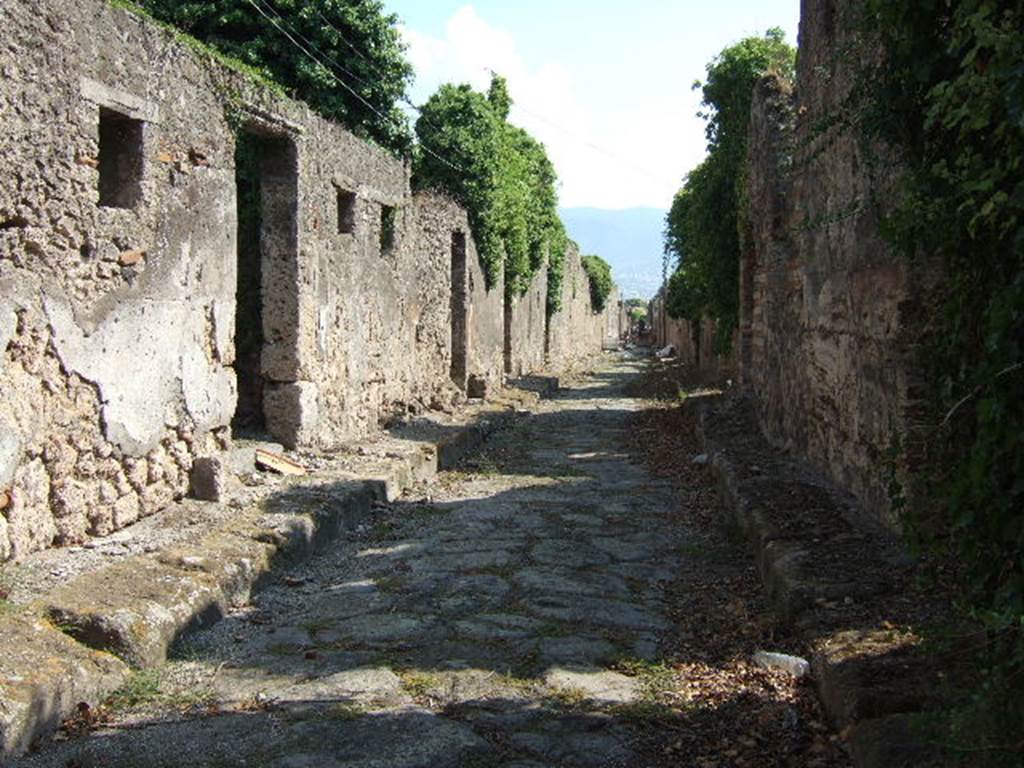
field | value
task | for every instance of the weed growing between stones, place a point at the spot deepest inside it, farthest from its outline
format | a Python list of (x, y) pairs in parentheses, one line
[(419, 684), (143, 687), (284, 649)]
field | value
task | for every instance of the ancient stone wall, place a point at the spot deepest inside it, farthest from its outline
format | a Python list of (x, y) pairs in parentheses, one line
[(694, 347), (186, 255), (827, 311), (116, 271), (526, 328), (573, 336), (443, 233)]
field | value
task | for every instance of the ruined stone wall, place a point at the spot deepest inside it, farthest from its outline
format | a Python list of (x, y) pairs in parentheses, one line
[(526, 328), (144, 310), (437, 220), (616, 320), (827, 312), (118, 273), (576, 333), (116, 319), (694, 347)]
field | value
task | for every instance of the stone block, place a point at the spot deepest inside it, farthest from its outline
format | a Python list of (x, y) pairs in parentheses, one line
[(209, 479), (136, 608)]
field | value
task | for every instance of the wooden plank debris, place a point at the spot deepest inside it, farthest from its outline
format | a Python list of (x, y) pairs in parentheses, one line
[(275, 462)]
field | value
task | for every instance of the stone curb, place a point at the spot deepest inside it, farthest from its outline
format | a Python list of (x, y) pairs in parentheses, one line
[(129, 614), (814, 561), (44, 674)]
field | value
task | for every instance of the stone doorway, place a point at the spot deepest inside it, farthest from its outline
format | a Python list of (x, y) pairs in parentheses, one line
[(460, 310), (266, 310)]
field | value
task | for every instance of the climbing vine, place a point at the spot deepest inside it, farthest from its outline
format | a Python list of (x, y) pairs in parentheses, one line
[(702, 226), (599, 274), (502, 176), (949, 96)]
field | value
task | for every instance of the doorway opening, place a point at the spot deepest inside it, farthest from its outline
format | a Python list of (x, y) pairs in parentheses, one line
[(459, 308), (266, 179)]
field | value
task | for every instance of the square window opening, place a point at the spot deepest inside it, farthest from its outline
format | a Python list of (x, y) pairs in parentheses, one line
[(121, 154), (388, 217), (346, 211)]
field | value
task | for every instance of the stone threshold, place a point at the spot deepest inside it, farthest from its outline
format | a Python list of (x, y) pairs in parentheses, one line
[(75, 641), (847, 589)]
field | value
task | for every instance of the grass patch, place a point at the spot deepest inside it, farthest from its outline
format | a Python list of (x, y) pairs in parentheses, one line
[(418, 684), (143, 687), (645, 712), (656, 678), (427, 511), (345, 712), (316, 626), (150, 688), (570, 698), (556, 629)]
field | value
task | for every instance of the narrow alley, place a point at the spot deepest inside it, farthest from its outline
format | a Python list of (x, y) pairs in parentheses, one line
[(552, 602)]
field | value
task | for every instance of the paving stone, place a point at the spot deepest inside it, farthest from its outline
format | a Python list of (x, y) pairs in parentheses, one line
[(643, 550), (594, 611), (600, 686), (499, 627), (575, 649), (599, 746), (524, 590), (548, 579), (388, 627), (577, 555)]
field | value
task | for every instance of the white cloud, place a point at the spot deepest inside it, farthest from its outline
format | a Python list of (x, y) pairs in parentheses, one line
[(610, 155)]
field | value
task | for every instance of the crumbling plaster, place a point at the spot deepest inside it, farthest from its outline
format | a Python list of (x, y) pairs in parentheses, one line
[(117, 324)]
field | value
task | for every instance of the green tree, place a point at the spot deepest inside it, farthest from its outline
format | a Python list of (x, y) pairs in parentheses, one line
[(702, 228), (502, 176), (353, 68)]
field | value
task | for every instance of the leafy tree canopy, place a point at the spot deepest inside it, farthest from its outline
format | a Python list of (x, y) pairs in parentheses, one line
[(701, 228), (502, 176), (354, 42)]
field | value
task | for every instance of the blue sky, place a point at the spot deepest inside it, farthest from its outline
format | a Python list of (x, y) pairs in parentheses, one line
[(605, 85)]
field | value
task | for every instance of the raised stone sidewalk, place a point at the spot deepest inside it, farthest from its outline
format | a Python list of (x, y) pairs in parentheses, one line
[(849, 591), (80, 620)]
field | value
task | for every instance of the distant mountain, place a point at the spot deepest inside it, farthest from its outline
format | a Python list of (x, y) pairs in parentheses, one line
[(629, 239)]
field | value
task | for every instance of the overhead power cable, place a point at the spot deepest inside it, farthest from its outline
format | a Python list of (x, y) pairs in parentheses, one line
[(279, 21)]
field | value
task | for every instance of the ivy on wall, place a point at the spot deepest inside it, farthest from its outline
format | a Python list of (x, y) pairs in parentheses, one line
[(702, 228), (949, 96), (599, 274), (504, 179)]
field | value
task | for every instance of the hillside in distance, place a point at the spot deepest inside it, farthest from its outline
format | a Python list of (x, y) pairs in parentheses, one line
[(629, 239)]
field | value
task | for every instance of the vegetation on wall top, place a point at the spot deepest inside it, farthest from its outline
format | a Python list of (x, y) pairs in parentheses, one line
[(502, 176), (702, 228), (344, 58), (599, 274)]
